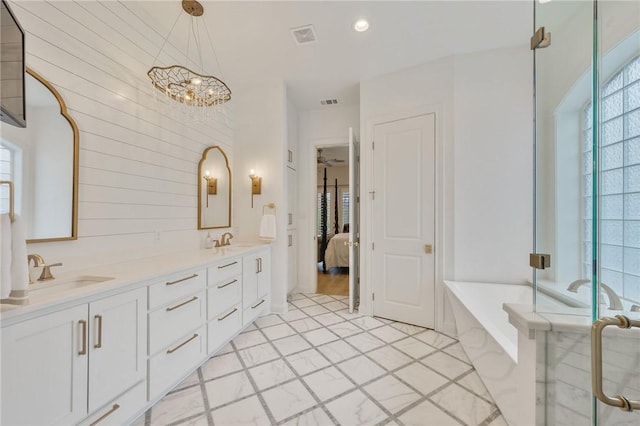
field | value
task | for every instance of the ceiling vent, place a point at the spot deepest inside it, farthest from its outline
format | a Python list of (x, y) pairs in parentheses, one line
[(328, 102), (304, 35)]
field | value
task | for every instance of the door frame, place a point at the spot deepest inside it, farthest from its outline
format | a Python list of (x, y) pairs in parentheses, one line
[(310, 200), (444, 198)]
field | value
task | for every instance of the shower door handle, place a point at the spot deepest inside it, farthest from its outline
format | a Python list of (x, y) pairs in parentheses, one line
[(598, 326)]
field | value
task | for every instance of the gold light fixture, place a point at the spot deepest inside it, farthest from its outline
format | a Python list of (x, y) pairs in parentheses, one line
[(194, 92), (212, 185), (256, 185)]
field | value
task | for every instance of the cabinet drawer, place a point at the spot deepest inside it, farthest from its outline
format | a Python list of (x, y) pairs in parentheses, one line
[(121, 410), (260, 307), (224, 294), (175, 287), (225, 269), (173, 363), (175, 320), (224, 326)]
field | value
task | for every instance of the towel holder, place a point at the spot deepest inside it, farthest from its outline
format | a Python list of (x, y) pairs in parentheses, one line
[(11, 211), (269, 206)]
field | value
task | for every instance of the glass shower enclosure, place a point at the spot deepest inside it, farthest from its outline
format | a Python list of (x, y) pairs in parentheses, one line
[(587, 209)]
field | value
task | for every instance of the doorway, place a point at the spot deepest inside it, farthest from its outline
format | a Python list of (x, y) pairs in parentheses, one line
[(332, 220)]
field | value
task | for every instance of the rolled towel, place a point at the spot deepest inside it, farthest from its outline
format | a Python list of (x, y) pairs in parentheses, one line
[(268, 227), (5, 256), (19, 265)]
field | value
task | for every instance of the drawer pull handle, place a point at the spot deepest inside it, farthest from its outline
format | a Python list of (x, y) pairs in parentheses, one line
[(170, 351), (99, 344), (258, 304), (182, 304), (181, 280), (105, 415), (222, 318), (227, 284), (227, 265), (83, 326)]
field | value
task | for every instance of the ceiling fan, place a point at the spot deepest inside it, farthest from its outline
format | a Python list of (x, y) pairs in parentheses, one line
[(328, 162)]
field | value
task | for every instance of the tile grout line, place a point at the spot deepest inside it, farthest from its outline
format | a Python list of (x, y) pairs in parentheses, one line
[(363, 330)]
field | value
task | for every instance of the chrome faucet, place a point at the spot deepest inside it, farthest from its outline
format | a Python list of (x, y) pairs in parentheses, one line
[(38, 262), (224, 239), (615, 304)]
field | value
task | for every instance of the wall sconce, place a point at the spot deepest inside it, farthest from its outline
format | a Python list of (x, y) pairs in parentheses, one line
[(256, 185), (212, 185)]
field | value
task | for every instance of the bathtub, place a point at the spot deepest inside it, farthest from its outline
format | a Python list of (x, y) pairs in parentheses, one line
[(503, 358)]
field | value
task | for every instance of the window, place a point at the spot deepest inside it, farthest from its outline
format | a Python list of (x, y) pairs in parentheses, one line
[(619, 183), (345, 208)]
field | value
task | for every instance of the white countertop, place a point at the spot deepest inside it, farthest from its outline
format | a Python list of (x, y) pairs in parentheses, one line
[(121, 277)]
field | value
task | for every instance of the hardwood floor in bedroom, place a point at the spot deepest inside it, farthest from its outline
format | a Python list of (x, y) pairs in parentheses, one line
[(334, 282)]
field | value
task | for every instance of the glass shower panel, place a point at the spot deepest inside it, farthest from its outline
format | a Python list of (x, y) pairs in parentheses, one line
[(564, 157), (618, 50)]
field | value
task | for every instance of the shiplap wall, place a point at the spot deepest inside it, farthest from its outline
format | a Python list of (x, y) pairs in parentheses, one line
[(138, 163)]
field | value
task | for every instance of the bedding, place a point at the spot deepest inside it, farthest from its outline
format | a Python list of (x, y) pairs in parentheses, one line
[(337, 252)]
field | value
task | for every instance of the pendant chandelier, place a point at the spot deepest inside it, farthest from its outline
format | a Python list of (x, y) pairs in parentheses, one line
[(195, 94)]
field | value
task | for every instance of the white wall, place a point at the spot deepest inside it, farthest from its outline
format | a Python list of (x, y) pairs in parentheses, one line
[(319, 127), (484, 164), (138, 166), (260, 144), (493, 166)]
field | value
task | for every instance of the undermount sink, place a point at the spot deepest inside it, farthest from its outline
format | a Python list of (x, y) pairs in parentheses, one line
[(67, 284)]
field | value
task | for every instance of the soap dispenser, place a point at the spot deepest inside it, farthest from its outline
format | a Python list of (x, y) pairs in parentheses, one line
[(208, 241)]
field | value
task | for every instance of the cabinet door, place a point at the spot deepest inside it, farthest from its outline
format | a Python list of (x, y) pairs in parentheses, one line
[(250, 271), (44, 369), (117, 345), (264, 275)]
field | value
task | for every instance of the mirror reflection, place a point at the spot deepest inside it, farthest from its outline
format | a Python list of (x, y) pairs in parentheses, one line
[(42, 161), (214, 189)]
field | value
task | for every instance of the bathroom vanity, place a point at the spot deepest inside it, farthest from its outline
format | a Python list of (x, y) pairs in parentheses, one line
[(106, 345)]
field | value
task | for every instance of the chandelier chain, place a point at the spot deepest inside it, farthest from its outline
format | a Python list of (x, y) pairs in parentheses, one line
[(164, 42), (215, 55)]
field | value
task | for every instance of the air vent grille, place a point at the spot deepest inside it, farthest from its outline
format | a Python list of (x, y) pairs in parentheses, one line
[(304, 35), (328, 102)]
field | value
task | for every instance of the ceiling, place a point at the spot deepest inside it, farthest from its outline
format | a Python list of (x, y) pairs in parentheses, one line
[(253, 42)]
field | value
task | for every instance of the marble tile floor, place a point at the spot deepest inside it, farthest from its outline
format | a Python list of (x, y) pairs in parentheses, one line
[(319, 365)]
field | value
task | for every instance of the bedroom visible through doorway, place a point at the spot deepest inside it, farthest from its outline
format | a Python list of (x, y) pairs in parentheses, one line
[(332, 220)]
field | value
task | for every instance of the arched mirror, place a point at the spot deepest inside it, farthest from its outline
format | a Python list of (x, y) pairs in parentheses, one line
[(42, 161), (214, 189)]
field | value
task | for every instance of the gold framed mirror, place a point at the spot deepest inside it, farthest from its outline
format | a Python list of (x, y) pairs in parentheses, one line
[(44, 159), (214, 189)]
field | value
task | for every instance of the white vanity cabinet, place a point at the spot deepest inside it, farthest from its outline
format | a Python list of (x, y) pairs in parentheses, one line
[(177, 328), (256, 284), (224, 296), (59, 367)]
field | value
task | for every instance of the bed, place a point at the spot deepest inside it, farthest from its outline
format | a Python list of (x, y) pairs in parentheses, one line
[(337, 252)]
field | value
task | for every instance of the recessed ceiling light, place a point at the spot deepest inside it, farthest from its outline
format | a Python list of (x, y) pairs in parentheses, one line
[(361, 25)]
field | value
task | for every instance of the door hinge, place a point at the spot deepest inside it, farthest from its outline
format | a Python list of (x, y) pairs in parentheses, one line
[(539, 260), (373, 296), (540, 39), (373, 246), (373, 145), (373, 194)]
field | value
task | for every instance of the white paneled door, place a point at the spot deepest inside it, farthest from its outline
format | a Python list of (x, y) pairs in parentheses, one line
[(404, 220)]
